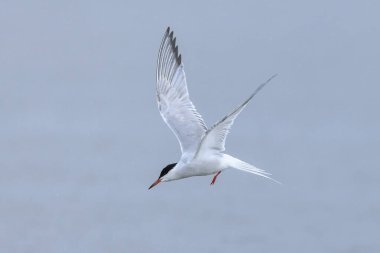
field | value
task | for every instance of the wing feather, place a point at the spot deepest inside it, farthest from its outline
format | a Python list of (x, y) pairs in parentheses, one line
[(215, 137), (173, 99)]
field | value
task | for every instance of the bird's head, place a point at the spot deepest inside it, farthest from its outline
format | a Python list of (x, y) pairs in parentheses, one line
[(164, 175)]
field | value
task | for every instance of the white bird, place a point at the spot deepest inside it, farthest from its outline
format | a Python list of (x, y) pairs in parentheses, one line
[(202, 148)]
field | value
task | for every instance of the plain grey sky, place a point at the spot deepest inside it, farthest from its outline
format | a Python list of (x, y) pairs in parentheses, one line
[(81, 138)]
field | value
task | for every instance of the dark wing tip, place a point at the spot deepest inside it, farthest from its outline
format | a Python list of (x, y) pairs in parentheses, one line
[(179, 59), (172, 40), (175, 50)]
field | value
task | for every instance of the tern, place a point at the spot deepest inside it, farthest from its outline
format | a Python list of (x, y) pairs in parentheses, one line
[(202, 148)]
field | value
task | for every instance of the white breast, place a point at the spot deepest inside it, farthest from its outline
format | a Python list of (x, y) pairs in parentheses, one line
[(199, 167)]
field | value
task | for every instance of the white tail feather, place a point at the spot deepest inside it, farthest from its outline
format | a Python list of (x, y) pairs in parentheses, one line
[(240, 165)]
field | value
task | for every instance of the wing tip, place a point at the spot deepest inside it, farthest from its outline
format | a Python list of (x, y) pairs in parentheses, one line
[(169, 33), (180, 59)]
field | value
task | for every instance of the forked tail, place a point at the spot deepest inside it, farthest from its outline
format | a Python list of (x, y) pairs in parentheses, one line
[(240, 165)]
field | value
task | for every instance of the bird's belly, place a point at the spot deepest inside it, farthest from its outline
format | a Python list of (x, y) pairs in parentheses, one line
[(201, 167)]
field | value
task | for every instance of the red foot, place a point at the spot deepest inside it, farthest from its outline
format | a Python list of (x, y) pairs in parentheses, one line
[(214, 179)]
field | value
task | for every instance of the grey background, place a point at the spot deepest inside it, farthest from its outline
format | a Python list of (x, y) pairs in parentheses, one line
[(81, 138)]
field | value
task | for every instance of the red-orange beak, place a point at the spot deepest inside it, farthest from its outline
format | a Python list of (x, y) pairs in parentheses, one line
[(155, 183)]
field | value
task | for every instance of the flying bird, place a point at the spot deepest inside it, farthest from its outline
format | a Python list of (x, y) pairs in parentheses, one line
[(202, 148)]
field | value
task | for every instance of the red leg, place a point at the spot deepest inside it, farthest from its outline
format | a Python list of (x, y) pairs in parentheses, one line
[(214, 179)]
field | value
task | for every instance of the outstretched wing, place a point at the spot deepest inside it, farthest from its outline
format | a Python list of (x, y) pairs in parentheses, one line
[(215, 137), (173, 99)]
